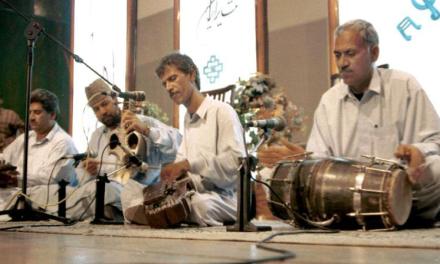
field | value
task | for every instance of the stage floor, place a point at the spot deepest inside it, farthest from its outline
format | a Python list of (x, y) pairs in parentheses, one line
[(47, 242)]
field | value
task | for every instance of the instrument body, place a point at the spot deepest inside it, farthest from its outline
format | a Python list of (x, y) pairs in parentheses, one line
[(8, 175), (168, 205), (342, 193), (134, 142)]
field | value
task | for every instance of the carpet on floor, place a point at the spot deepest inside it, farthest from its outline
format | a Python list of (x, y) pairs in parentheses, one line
[(407, 238)]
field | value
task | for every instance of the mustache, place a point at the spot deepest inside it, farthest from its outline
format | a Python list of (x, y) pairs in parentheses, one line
[(345, 69)]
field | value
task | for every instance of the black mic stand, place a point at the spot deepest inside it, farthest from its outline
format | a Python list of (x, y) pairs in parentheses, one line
[(62, 198), (77, 58), (62, 192), (34, 29), (244, 196), (100, 218), (23, 210)]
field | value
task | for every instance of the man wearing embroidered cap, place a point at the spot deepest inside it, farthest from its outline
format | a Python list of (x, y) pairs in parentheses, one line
[(161, 140)]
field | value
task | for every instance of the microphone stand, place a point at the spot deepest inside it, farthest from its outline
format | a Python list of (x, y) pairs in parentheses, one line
[(244, 196), (77, 58), (100, 218), (100, 187), (61, 197), (23, 210), (33, 30)]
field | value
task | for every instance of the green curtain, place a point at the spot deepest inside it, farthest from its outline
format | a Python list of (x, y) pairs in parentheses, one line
[(51, 63)]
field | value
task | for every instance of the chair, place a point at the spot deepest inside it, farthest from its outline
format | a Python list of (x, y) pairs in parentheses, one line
[(221, 94)]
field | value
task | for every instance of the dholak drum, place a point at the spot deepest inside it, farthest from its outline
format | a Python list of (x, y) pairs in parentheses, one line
[(341, 193)]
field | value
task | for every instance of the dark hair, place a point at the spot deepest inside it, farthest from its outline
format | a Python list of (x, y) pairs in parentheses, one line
[(47, 99), (365, 29), (182, 62)]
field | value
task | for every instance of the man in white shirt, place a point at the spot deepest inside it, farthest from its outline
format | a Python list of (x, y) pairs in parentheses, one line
[(211, 148), (48, 143), (160, 144), (379, 112)]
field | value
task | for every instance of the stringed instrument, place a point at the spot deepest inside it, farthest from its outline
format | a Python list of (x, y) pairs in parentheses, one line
[(134, 142), (8, 175), (167, 205)]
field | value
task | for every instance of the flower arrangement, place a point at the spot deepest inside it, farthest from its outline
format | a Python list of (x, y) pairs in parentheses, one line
[(260, 98), (153, 110)]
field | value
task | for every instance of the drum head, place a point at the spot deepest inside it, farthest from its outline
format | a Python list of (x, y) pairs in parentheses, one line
[(400, 197)]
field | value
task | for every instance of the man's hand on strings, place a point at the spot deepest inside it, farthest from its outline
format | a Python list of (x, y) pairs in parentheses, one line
[(130, 122), (8, 178), (91, 166), (172, 172)]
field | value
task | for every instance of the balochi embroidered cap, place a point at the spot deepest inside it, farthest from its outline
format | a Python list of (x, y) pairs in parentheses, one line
[(97, 91)]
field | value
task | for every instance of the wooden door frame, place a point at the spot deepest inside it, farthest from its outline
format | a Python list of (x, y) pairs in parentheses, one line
[(333, 22)]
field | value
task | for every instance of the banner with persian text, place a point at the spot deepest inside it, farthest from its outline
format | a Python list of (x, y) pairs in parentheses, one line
[(220, 36)]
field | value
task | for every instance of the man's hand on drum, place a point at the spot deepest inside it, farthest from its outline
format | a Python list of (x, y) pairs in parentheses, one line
[(415, 160), (172, 172), (269, 156), (130, 122)]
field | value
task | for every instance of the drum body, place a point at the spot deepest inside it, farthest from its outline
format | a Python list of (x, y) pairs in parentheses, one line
[(341, 193)]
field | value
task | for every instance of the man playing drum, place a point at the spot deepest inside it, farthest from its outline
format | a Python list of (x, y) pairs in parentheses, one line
[(378, 112)]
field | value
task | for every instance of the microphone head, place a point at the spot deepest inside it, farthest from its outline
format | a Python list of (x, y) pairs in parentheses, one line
[(280, 123), (92, 154), (140, 95), (275, 123), (133, 95)]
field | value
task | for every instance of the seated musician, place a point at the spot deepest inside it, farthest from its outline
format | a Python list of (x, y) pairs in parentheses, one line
[(161, 140), (10, 126), (210, 151), (161, 143), (48, 143), (379, 112)]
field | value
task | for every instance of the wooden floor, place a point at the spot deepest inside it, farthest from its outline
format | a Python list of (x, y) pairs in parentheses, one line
[(20, 247)]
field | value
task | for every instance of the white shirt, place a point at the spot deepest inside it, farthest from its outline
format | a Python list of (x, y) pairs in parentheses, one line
[(213, 145), (394, 110), (43, 155), (161, 147)]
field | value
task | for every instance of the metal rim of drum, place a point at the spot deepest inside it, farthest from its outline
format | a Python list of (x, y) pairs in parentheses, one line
[(400, 201)]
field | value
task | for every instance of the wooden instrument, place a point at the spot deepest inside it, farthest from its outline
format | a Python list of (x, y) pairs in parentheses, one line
[(168, 205), (8, 175), (134, 142), (341, 193)]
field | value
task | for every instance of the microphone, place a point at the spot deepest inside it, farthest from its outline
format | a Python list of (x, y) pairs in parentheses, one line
[(133, 95), (80, 156), (277, 123)]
